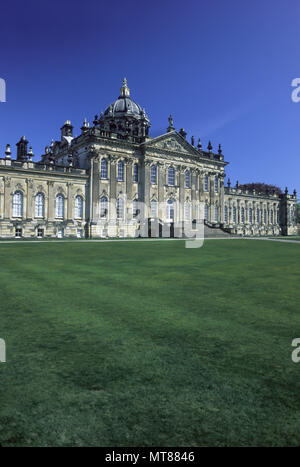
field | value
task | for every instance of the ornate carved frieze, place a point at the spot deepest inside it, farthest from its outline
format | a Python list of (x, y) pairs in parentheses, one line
[(7, 181)]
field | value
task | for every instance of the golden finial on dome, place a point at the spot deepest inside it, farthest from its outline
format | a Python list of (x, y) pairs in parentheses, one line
[(125, 89)]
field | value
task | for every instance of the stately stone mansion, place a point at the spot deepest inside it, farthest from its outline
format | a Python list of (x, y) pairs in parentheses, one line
[(114, 180)]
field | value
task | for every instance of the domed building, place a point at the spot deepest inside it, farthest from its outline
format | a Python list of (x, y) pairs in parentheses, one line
[(125, 116), (114, 180)]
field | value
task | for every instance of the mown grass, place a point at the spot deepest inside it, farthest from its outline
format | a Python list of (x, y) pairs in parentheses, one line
[(149, 344), (290, 237)]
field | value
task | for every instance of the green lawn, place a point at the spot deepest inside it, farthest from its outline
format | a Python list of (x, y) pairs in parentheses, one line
[(149, 344), (290, 237)]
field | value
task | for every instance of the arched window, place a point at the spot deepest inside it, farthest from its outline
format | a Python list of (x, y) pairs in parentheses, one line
[(216, 184), (18, 204), (170, 214), (216, 213), (135, 173), (187, 211), (60, 201), (265, 216), (250, 216), (78, 207), (104, 168), (154, 174), (120, 208), (205, 182), (225, 214), (153, 208), (272, 217), (135, 208), (187, 179), (120, 171), (206, 212), (39, 205), (171, 176), (234, 214), (103, 207), (243, 215)]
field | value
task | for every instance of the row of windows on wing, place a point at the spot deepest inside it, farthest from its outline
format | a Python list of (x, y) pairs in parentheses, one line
[(39, 205), (170, 208), (153, 175), (258, 216), (60, 205)]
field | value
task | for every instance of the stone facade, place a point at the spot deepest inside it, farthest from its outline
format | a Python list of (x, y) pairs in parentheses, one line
[(113, 180)]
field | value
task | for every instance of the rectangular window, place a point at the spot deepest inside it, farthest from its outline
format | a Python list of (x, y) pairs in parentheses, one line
[(40, 233), (187, 179), (206, 183), (243, 215), (216, 185), (187, 211), (79, 233), (120, 171), (234, 215), (206, 212), (60, 233), (104, 169), (135, 173), (153, 208), (153, 175), (171, 176), (250, 216), (226, 214), (18, 233), (216, 214), (60, 206)]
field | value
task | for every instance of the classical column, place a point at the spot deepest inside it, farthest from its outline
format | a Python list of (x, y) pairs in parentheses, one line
[(147, 186), (161, 179), (222, 198), (238, 213), (201, 183), (7, 198), (193, 193), (51, 200), (70, 203), (129, 178), (95, 189), (113, 187), (212, 196), (229, 211), (29, 207), (181, 192)]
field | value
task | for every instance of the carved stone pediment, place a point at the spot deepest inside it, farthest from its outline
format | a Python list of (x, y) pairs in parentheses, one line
[(171, 142)]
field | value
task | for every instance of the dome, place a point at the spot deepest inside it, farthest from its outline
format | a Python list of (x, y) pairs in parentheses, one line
[(124, 105)]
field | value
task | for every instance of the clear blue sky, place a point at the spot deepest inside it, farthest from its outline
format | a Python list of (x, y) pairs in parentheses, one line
[(222, 68)]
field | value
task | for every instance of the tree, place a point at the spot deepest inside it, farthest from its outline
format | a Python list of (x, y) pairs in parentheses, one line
[(261, 188)]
